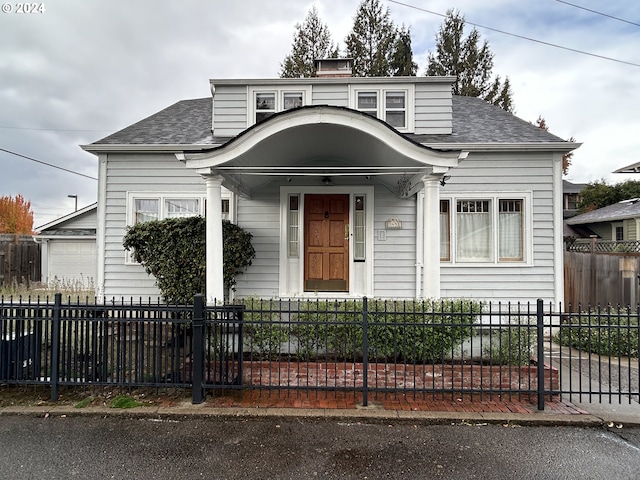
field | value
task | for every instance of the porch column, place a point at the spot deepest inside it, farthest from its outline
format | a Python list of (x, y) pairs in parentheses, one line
[(431, 238), (215, 284)]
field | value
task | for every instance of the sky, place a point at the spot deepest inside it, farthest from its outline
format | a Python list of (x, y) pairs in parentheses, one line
[(76, 71)]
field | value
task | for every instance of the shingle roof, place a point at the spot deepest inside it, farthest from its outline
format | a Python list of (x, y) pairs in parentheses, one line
[(617, 211), (188, 122)]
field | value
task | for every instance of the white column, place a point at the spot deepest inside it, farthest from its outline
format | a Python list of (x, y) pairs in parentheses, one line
[(431, 237), (215, 284)]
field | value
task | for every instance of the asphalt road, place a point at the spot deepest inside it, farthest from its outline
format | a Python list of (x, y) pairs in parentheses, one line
[(120, 447)]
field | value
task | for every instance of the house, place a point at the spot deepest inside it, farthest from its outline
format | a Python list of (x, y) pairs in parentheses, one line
[(68, 248), (384, 187), (571, 197), (617, 222)]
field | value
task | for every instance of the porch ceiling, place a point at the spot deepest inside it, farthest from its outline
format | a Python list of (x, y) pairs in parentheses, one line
[(320, 141)]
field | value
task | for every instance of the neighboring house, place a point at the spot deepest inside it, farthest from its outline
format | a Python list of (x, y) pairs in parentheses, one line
[(571, 198), (68, 252), (384, 187), (618, 222)]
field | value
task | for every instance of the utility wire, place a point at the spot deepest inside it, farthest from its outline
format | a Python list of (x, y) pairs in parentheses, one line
[(47, 164), (599, 13), (521, 36)]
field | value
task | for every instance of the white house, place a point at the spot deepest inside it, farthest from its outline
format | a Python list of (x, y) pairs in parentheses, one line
[(68, 251), (384, 187)]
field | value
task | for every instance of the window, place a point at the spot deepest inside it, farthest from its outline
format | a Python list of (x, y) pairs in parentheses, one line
[(267, 102), (180, 208), (445, 231), (483, 230), (359, 226), (619, 233), (292, 227), (389, 104), (146, 210)]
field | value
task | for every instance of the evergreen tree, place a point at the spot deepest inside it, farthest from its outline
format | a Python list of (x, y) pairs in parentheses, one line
[(372, 40), (470, 61), (311, 41), (402, 63)]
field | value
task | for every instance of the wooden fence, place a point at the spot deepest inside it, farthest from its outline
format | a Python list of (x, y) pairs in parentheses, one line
[(601, 278), (19, 259)]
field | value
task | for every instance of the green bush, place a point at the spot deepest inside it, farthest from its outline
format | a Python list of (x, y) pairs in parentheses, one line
[(613, 332), (409, 331), (264, 329), (174, 252), (512, 345)]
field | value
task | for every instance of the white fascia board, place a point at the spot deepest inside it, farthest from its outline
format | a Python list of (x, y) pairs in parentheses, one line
[(265, 82), (507, 147), (125, 147)]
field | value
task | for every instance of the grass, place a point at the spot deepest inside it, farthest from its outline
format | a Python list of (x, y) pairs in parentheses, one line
[(123, 401), (83, 403), (68, 288)]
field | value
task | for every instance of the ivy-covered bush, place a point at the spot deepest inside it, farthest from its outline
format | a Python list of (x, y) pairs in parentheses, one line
[(606, 332), (174, 252)]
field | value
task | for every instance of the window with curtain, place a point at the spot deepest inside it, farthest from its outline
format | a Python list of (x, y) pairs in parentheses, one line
[(146, 210), (510, 241), (293, 216), (180, 208), (359, 245), (474, 231)]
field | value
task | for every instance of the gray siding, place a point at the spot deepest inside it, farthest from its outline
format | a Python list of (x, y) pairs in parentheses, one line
[(158, 173), (230, 110), (394, 258), (533, 173), (433, 109), (260, 216), (336, 95)]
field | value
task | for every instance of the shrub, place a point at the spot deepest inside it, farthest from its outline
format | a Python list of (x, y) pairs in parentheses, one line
[(174, 252), (264, 328), (512, 345), (612, 332)]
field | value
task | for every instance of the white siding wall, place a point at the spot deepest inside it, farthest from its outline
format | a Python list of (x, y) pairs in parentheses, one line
[(532, 172), (86, 220), (127, 173), (337, 95)]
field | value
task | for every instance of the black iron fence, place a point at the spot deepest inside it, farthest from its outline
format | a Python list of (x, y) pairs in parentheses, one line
[(362, 346)]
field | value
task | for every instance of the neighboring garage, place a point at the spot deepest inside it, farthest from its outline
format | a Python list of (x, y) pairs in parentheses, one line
[(69, 249)]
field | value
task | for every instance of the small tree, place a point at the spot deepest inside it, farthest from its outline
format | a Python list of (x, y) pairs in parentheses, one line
[(566, 158), (16, 215), (174, 252)]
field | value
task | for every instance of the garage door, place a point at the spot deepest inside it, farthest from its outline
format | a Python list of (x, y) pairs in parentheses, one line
[(72, 261)]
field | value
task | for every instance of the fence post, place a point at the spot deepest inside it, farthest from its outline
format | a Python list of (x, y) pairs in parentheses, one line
[(55, 347), (365, 353), (197, 358), (540, 345)]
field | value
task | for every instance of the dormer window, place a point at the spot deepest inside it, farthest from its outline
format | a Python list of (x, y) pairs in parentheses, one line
[(266, 102), (393, 105)]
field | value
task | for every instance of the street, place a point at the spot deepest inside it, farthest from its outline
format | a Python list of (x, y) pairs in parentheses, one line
[(126, 447)]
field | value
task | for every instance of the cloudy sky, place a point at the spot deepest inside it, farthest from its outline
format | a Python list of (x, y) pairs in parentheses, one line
[(81, 70)]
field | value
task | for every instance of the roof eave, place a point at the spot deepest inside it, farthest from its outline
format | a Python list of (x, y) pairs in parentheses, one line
[(145, 147), (563, 147)]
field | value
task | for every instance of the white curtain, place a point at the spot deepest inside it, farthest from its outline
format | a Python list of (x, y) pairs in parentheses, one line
[(510, 235), (473, 232)]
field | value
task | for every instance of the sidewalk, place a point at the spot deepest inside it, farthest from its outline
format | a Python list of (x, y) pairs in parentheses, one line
[(419, 408)]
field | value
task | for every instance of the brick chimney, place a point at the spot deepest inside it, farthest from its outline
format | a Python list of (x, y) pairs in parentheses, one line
[(333, 67)]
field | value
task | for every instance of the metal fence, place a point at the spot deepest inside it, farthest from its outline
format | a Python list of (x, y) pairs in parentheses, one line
[(448, 348)]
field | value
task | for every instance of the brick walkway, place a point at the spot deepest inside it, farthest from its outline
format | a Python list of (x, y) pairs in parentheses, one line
[(418, 402)]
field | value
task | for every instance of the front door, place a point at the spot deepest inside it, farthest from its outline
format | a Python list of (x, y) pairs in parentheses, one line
[(326, 243)]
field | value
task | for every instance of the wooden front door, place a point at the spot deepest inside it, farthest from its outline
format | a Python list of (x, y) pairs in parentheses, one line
[(326, 243)]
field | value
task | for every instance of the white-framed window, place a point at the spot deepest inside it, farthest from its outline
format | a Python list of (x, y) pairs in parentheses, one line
[(359, 228), (618, 232), (485, 228), (293, 220), (147, 206), (393, 104), (264, 102)]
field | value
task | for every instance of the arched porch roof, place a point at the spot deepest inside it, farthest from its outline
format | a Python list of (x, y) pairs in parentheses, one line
[(323, 141)]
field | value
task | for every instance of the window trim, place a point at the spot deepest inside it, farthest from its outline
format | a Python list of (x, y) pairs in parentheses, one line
[(494, 199), (279, 93), (381, 105)]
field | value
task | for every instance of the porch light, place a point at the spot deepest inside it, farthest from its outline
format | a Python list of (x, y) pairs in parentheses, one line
[(327, 181)]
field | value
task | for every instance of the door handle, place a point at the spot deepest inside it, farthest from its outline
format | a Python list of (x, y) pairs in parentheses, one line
[(346, 231)]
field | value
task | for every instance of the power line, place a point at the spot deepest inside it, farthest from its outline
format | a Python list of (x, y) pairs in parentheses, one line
[(47, 164), (54, 129), (599, 13), (521, 36)]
